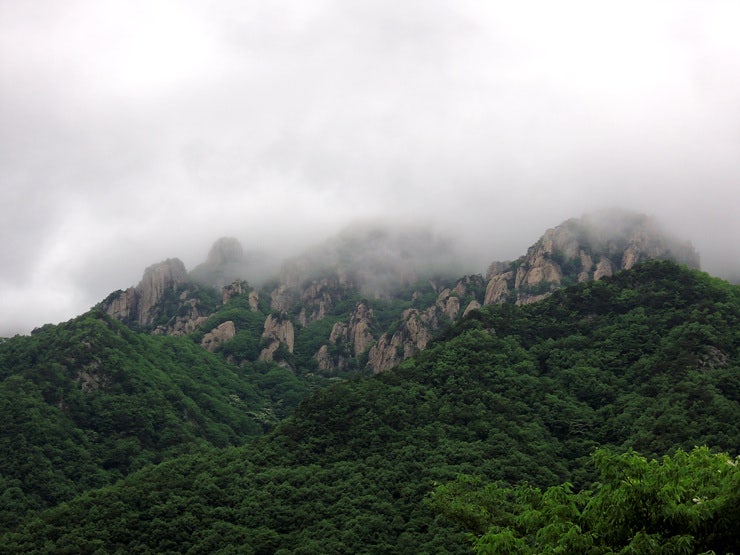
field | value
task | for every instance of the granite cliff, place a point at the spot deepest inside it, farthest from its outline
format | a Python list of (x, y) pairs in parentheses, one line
[(583, 249), (145, 302), (373, 296)]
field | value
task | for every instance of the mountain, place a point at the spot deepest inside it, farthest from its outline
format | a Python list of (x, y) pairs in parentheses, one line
[(176, 365), (373, 296), (646, 359)]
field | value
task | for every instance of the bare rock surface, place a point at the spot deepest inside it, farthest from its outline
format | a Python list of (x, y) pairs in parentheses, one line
[(218, 336)]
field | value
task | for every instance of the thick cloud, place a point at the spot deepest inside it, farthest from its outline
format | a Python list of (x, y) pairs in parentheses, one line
[(136, 131)]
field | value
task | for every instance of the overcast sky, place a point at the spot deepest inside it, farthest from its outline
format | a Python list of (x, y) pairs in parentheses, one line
[(133, 131)]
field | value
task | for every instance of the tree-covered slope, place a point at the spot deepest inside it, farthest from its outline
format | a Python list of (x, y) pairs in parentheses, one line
[(86, 402), (647, 359)]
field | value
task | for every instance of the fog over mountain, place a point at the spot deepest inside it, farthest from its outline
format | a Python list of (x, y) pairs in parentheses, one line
[(137, 131)]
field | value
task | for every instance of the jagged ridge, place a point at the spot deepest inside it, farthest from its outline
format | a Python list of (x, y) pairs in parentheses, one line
[(354, 282)]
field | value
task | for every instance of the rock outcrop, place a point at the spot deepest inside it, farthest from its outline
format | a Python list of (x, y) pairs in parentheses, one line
[(189, 317), (278, 331), (158, 280), (347, 340), (497, 290), (583, 249), (357, 332), (254, 301), (218, 336), (449, 303), (123, 305), (326, 362), (350, 340), (143, 304), (472, 305), (318, 297), (92, 377), (417, 325), (413, 335), (238, 287)]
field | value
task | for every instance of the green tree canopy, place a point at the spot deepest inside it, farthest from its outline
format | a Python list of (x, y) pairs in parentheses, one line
[(687, 503)]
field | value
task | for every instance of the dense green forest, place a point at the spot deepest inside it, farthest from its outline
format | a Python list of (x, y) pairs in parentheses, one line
[(688, 503), (86, 402), (645, 360)]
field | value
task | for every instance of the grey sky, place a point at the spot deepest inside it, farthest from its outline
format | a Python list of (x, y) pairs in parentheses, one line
[(132, 131)]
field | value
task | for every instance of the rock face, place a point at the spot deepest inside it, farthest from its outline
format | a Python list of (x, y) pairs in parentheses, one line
[(449, 303), (157, 280), (122, 305), (218, 336), (357, 331), (497, 290), (347, 340), (254, 301), (318, 297), (143, 304), (473, 305), (580, 250), (278, 331), (92, 376), (412, 336)]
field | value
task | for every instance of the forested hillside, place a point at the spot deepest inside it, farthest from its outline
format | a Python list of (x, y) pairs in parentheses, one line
[(86, 402), (647, 359)]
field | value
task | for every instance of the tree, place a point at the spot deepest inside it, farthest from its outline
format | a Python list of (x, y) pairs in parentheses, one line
[(687, 503)]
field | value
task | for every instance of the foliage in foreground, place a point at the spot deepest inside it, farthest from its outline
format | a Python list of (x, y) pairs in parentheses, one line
[(687, 503)]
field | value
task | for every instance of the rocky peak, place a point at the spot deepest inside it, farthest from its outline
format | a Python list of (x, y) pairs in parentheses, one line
[(580, 250), (226, 250), (141, 304), (158, 279), (225, 264)]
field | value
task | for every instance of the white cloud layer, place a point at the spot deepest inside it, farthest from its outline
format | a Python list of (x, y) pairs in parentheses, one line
[(135, 130)]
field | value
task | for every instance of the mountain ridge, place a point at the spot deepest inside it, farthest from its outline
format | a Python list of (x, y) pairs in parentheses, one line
[(346, 280)]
